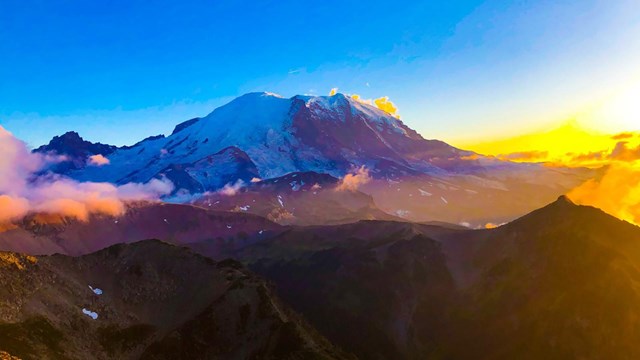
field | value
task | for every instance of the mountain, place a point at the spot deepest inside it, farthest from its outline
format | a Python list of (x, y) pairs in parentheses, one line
[(559, 283), (265, 136), (213, 233), (303, 133), (148, 300), (300, 198), (75, 149)]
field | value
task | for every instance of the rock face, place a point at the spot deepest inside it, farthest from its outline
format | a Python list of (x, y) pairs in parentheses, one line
[(75, 149), (148, 300)]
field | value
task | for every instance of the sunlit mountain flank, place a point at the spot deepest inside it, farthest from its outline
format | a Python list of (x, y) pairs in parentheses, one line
[(348, 180)]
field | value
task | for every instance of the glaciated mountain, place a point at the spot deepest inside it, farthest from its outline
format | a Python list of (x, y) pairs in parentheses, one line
[(268, 136)]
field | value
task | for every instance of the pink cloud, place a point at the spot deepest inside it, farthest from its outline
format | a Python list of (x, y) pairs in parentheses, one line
[(98, 160), (23, 192)]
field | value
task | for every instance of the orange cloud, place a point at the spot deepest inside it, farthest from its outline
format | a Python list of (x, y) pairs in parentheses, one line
[(386, 105), (352, 181), (471, 157), (617, 192), (624, 153), (525, 156), (12, 208), (382, 103), (566, 146), (623, 136), (593, 156), (98, 160), (359, 99), (333, 91)]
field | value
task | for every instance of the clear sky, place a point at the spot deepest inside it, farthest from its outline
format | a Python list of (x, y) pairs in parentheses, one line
[(118, 71)]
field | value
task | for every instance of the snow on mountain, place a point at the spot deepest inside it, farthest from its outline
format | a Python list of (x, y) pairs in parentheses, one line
[(272, 136), (266, 136)]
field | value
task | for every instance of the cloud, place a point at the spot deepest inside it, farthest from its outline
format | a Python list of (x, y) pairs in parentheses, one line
[(624, 153), (333, 91), (12, 208), (617, 192), (352, 181), (23, 190), (231, 189), (255, 180), (98, 160), (359, 99), (382, 103), (525, 156), (593, 156), (623, 136), (386, 105)]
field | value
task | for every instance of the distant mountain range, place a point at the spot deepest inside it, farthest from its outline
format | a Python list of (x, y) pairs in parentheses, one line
[(558, 283), (262, 136)]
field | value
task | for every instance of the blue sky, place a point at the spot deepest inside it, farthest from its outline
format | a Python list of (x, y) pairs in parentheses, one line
[(118, 71)]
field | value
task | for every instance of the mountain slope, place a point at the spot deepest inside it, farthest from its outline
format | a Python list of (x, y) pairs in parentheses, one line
[(147, 300), (215, 233), (322, 134), (306, 198), (262, 135), (75, 149), (559, 283)]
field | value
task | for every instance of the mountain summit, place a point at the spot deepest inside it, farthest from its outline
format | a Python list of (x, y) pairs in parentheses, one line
[(266, 136), (325, 134)]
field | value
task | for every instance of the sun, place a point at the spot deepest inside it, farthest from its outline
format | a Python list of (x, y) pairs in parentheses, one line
[(621, 112)]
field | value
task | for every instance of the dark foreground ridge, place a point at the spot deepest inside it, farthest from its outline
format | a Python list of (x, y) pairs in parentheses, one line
[(558, 283), (148, 300)]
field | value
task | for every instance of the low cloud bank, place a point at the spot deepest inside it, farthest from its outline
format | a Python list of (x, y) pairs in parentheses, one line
[(24, 190)]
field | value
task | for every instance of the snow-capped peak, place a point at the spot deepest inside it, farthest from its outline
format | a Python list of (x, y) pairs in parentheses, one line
[(273, 136)]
